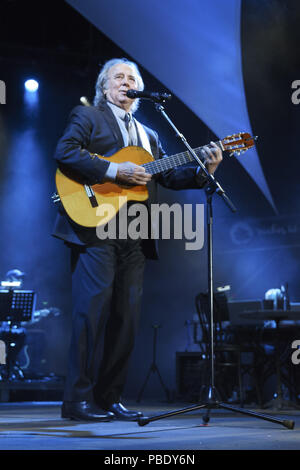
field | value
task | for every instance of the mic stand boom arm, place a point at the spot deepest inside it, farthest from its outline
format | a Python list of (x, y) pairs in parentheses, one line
[(213, 185)]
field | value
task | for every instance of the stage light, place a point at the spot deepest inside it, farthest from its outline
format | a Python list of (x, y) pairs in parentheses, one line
[(85, 101), (31, 96), (31, 85)]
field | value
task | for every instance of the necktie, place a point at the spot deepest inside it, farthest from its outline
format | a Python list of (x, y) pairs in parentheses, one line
[(129, 127)]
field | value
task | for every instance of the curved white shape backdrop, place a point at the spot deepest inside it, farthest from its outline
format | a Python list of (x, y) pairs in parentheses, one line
[(193, 47)]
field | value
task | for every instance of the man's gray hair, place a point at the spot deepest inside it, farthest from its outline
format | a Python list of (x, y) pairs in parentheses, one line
[(103, 76)]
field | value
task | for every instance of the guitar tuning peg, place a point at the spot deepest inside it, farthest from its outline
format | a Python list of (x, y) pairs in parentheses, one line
[(55, 198)]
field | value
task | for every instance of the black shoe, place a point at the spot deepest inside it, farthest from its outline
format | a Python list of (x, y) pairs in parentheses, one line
[(123, 414), (84, 411)]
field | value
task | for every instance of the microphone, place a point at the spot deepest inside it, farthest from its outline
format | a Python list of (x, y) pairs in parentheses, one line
[(149, 95)]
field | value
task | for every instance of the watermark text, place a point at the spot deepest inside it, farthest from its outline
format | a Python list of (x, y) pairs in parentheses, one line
[(138, 221), (2, 92), (296, 354), (296, 94)]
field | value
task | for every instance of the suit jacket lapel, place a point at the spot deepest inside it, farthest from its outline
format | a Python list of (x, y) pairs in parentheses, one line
[(112, 122)]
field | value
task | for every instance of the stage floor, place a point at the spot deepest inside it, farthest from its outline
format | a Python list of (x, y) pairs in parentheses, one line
[(38, 426)]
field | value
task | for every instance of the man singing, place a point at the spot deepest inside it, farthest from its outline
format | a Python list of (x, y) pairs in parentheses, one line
[(107, 275)]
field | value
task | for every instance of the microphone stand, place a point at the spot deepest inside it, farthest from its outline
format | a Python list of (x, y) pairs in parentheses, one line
[(212, 402)]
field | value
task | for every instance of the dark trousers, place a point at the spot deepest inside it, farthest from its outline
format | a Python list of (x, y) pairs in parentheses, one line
[(107, 282)]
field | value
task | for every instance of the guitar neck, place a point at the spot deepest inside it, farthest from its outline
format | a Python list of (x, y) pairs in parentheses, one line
[(173, 161)]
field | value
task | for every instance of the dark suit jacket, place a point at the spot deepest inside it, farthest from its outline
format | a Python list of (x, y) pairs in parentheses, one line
[(95, 130)]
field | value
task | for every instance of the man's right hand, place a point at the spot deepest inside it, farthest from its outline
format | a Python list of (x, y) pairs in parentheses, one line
[(130, 173)]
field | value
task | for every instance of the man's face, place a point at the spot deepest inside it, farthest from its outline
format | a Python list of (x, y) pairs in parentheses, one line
[(121, 78)]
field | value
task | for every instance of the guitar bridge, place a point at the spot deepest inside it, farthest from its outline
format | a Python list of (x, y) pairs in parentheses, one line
[(91, 195)]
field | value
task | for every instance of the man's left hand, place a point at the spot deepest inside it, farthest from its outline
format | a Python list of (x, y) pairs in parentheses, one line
[(213, 157)]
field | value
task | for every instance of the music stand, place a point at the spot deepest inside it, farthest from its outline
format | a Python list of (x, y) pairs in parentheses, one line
[(16, 306)]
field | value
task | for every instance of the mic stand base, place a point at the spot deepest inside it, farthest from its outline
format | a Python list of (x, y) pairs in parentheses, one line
[(212, 404)]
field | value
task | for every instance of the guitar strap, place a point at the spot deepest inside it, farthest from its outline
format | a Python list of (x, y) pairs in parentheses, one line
[(143, 136)]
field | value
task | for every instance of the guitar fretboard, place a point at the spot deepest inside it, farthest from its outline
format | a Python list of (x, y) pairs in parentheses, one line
[(167, 163)]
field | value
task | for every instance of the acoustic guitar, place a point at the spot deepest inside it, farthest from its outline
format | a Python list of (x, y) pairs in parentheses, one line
[(81, 201)]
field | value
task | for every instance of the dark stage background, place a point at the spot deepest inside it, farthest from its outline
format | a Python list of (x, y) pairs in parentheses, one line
[(254, 250)]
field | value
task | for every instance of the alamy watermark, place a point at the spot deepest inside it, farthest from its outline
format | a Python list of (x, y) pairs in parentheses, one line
[(296, 354), (296, 94), (137, 221), (2, 92)]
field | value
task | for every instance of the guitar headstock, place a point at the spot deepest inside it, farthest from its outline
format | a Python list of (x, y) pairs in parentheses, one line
[(238, 143)]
